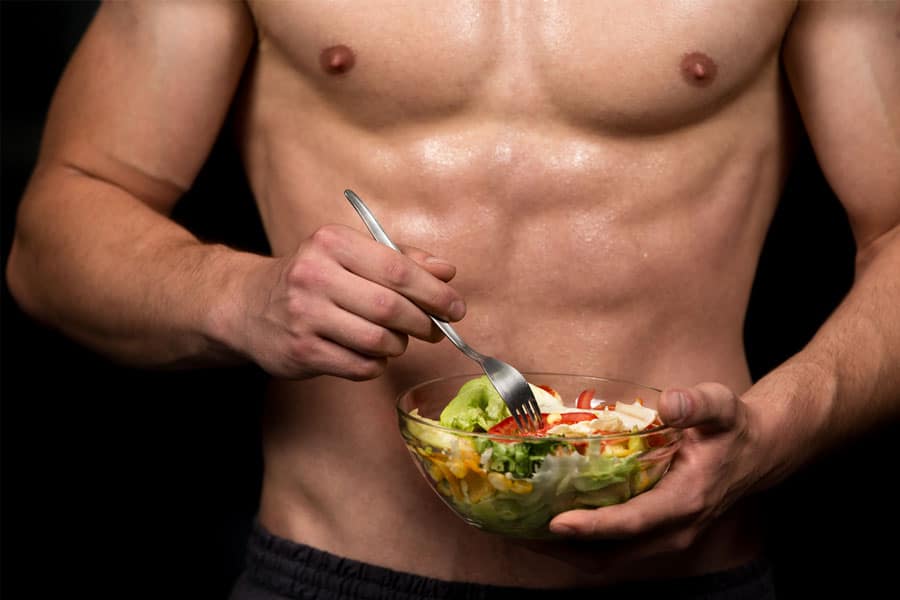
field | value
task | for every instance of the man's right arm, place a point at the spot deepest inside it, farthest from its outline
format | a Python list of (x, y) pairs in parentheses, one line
[(96, 255)]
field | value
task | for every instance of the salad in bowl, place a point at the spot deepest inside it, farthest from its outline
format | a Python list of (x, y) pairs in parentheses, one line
[(602, 442)]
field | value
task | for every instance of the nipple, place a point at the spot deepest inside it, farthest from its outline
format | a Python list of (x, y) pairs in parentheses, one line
[(698, 69), (336, 60)]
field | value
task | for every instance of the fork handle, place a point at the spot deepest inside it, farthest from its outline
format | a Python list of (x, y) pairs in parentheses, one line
[(457, 341), (369, 219), (381, 236)]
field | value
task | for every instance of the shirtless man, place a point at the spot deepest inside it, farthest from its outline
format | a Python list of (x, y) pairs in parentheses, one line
[(596, 179)]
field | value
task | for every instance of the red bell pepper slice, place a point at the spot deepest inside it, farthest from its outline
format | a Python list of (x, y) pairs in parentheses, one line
[(508, 425)]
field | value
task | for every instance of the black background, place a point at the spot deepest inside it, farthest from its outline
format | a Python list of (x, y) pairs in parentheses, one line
[(125, 483)]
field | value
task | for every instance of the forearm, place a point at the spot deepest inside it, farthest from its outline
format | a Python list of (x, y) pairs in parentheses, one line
[(846, 381), (110, 272)]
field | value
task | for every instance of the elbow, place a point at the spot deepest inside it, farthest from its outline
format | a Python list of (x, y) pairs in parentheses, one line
[(16, 280), (24, 281)]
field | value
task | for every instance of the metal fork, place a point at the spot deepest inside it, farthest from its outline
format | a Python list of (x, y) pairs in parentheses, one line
[(508, 382)]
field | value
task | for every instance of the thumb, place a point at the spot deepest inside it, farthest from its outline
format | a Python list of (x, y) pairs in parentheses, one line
[(709, 405)]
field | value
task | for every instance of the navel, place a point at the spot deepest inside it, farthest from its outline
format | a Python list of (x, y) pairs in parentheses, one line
[(698, 69), (336, 60)]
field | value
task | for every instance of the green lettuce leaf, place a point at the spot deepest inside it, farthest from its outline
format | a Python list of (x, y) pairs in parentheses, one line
[(476, 405)]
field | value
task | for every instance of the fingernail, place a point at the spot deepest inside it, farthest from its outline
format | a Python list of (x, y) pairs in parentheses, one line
[(457, 310), (436, 260), (677, 406)]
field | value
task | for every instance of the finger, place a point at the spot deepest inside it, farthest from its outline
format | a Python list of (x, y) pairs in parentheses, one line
[(380, 264), (382, 306), (326, 356), (361, 336), (319, 355), (709, 405), (440, 268), (655, 509), (318, 316)]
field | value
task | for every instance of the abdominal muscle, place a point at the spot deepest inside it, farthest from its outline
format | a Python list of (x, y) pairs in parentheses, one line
[(639, 300), (576, 252)]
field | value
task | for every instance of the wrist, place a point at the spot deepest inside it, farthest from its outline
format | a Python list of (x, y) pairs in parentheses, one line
[(224, 323), (792, 412)]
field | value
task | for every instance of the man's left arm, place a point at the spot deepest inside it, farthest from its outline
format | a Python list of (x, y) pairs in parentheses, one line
[(843, 64)]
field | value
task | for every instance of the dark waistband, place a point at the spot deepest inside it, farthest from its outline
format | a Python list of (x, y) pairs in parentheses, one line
[(294, 570)]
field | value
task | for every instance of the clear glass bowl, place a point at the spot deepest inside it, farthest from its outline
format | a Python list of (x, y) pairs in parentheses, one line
[(514, 485)]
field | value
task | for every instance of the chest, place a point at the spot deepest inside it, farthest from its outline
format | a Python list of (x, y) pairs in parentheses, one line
[(636, 64)]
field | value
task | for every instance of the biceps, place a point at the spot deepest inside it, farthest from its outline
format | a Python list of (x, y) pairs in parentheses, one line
[(145, 94), (843, 61)]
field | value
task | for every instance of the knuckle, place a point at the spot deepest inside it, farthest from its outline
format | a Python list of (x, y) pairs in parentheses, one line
[(397, 272), (374, 339), (630, 526), (307, 274), (327, 237), (719, 402), (301, 315), (382, 342), (718, 391), (300, 349), (385, 307)]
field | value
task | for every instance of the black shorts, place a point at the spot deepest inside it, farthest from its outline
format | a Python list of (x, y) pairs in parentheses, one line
[(279, 569)]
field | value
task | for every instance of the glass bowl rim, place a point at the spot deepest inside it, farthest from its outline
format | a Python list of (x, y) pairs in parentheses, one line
[(432, 424)]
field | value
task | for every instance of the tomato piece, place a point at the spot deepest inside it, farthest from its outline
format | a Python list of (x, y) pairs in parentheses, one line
[(508, 425), (584, 399), (570, 417)]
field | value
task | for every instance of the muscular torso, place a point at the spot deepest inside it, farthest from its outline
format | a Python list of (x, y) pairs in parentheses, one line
[(601, 174)]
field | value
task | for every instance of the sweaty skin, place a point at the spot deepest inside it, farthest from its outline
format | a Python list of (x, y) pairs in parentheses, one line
[(602, 215), (526, 173)]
